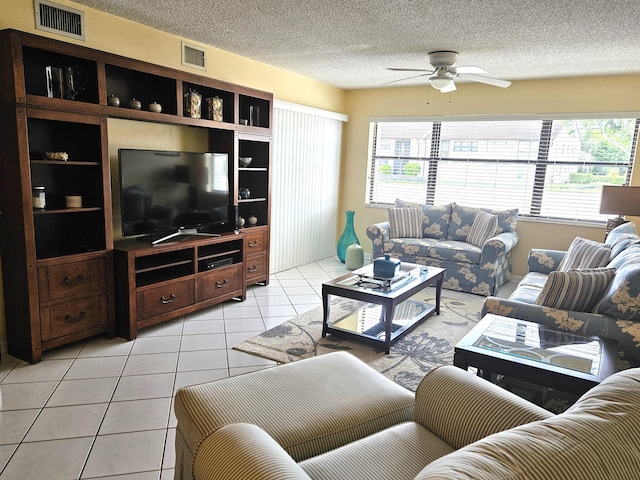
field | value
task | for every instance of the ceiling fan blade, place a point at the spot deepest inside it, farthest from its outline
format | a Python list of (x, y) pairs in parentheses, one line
[(496, 82), (470, 69), (409, 70), (406, 78)]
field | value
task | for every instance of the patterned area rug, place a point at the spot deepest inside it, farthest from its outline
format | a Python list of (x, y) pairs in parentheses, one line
[(429, 345)]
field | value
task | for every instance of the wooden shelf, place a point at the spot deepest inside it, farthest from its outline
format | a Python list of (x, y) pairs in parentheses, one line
[(41, 116)]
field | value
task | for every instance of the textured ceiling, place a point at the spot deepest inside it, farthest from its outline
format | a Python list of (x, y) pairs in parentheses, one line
[(350, 43)]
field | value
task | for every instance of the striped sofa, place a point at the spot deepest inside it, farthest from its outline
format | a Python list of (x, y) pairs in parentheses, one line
[(475, 253), (463, 428), (574, 302)]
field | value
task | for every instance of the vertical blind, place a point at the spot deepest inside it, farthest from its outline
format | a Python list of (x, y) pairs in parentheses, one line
[(547, 168), (304, 184)]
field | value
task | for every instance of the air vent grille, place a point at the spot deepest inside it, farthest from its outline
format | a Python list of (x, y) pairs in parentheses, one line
[(55, 18), (193, 56)]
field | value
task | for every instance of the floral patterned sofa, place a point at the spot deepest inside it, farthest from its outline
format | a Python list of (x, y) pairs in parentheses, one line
[(442, 241), (613, 314)]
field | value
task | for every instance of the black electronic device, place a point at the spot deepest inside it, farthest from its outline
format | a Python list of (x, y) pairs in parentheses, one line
[(164, 194), (221, 262)]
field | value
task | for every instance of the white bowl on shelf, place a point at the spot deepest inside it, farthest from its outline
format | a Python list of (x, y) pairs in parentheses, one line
[(244, 161)]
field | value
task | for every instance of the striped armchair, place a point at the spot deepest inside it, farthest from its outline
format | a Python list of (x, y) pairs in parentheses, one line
[(464, 428), (452, 409)]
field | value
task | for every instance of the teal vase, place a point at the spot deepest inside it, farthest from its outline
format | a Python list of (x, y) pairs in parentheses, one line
[(348, 236)]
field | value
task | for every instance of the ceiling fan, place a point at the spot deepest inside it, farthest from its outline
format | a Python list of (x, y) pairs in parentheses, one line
[(444, 71)]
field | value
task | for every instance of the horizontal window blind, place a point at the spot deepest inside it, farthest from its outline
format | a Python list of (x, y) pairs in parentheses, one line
[(546, 168)]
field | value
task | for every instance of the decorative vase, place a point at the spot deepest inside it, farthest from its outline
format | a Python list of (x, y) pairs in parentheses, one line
[(354, 257), (348, 236), (135, 104), (113, 101)]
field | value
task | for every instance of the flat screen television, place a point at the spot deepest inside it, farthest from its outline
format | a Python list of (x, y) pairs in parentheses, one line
[(164, 193)]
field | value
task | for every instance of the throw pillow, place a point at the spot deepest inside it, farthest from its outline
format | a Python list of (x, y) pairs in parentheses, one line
[(575, 290), (583, 253), (484, 225), (405, 222), (622, 298)]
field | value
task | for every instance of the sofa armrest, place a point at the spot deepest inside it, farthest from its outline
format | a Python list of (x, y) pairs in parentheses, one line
[(582, 323), (462, 408), (378, 233), (242, 451), (498, 245), (543, 260)]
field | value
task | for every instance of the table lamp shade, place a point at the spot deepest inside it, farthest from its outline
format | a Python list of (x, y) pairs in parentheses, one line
[(620, 200)]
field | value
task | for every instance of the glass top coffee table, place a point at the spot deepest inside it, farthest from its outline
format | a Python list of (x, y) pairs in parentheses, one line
[(533, 353), (389, 312)]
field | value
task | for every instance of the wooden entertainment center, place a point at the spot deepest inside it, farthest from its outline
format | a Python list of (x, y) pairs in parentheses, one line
[(64, 276)]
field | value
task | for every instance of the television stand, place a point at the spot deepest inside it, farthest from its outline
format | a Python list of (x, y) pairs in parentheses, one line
[(157, 283), (154, 239)]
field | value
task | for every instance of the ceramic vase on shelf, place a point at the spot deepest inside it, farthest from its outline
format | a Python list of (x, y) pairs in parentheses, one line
[(348, 237)]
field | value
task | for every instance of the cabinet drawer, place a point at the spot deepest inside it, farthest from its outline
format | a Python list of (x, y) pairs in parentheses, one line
[(255, 242), (219, 282), (69, 317), (165, 298), (256, 266), (75, 278)]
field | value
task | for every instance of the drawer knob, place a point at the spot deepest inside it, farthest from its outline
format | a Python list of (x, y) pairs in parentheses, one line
[(253, 269), (254, 243), (165, 300), (78, 280), (220, 284), (81, 316)]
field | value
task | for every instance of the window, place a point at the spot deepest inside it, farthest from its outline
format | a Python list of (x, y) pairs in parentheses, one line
[(552, 168)]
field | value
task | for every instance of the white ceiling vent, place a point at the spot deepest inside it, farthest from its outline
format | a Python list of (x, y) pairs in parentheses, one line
[(59, 19), (193, 56)]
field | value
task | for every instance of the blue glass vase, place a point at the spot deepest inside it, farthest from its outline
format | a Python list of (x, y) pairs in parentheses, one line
[(348, 237)]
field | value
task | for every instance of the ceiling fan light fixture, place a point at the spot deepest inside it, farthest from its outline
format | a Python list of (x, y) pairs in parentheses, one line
[(441, 81)]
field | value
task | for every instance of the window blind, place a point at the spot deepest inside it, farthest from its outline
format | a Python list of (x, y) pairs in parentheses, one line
[(547, 168), (305, 178)]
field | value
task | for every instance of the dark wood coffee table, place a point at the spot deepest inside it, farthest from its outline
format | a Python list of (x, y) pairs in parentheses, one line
[(390, 312), (536, 354)]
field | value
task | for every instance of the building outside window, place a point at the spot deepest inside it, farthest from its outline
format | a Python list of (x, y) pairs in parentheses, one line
[(547, 168)]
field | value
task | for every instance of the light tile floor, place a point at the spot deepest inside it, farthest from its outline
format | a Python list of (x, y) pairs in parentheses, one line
[(103, 408)]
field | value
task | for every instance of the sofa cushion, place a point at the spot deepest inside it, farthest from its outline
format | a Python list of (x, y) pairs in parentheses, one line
[(484, 225), (435, 218), (583, 253), (525, 294), (462, 218), (405, 222), (534, 279), (622, 298), (621, 232), (460, 252), (630, 255), (624, 243), (418, 247), (594, 439), (400, 451), (576, 290)]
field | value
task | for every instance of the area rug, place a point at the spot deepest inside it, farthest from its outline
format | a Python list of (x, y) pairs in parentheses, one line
[(429, 345)]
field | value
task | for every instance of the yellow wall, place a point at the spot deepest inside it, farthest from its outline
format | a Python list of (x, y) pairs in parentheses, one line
[(123, 37), (557, 96)]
